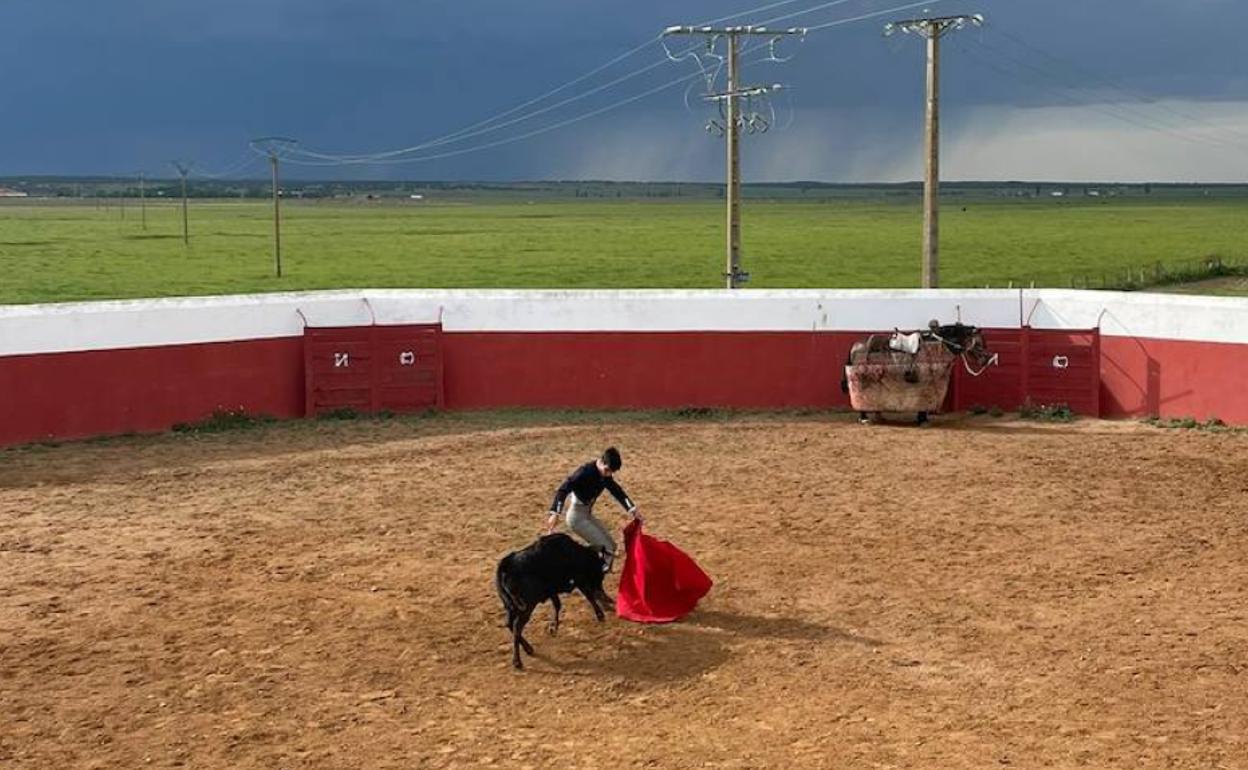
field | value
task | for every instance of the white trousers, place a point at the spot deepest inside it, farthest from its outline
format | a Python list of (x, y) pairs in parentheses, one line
[(581, 520)]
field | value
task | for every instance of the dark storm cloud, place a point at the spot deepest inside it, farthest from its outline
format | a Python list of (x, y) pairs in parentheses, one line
[(113, 87)]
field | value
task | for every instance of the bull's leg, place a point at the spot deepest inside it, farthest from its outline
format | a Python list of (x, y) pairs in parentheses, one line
[(592, 597), (554, 623), (518, 640)]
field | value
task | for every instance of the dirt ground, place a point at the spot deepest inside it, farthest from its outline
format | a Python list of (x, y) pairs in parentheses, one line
[(1231, 286), (979, 593)]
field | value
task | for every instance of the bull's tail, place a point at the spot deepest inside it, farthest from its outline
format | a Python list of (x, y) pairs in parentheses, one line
[(512, 603)]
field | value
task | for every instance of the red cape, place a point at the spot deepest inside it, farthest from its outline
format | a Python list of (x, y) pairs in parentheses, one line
[(660, 583)]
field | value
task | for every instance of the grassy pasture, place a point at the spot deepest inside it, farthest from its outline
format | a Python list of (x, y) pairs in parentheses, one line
[(59, 252)]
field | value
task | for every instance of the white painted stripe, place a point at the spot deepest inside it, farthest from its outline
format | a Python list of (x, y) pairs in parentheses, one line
[(1140, 314)]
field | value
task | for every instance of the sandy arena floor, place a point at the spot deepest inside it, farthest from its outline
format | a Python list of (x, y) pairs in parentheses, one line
[(982, 593)]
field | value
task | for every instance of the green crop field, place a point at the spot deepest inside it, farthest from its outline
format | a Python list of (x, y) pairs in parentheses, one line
[(59, 251)]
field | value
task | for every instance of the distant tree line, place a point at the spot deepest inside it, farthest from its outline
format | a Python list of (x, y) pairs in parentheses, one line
[(114, 187)]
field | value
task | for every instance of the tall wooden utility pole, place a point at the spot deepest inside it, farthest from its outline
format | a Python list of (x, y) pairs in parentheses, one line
[(732, 140), (272, 147), (932, 29), (183, 170), (733, 121), (277, 217)]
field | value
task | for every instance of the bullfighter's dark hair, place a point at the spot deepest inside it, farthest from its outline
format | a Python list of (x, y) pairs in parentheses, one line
[(611, 458)]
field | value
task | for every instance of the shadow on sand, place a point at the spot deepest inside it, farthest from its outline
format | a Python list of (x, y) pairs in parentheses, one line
[(696, 645), (762, 627)]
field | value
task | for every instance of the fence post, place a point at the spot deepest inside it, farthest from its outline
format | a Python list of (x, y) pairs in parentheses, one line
[(1024, 385)]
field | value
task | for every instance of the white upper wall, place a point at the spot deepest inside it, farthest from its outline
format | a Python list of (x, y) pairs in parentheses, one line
[(1139, 314), (153, 322), (700, 310), (29, 329)]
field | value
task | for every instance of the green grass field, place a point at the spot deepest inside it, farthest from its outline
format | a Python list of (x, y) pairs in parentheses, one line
[(62, 251)]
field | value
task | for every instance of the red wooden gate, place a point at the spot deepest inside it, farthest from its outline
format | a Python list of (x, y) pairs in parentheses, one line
[(1062, 367), (1035, 366), (372, 368)]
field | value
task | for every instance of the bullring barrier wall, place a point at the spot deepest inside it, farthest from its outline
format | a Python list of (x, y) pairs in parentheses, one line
[(83, 369)]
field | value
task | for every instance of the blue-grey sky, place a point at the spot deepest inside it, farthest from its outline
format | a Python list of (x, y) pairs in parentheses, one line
[(1114, 90)]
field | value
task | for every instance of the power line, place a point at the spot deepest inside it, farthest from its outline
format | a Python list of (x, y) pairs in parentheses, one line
[(489, 125), (1133, 106), (813, 9), (1074, 95), (1138, 95), (519, 137), (455, 135), (331, 161), (462, 135), (872, 15), (311, 157), (248, 160)]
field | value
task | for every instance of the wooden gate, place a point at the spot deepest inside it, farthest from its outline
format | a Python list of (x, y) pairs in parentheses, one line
[(1041, 367), (1062, 367), (372, 368)]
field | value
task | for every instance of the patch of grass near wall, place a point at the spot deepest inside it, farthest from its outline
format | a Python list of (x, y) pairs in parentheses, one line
[(224, 420), (1212, 424), (1047, 412)]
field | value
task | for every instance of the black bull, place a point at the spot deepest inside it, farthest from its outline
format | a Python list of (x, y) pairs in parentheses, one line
[(553, 565)]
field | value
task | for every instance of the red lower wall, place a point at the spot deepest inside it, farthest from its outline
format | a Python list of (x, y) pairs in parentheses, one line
[(645, 369), (1168, 378), (74, 395), (101, 392)]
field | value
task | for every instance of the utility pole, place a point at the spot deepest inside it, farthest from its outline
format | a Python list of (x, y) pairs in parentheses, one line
[(933, 29), (277, 217), (729, 100), (732, 141), (272, 146), (183, 170), (142, 200)]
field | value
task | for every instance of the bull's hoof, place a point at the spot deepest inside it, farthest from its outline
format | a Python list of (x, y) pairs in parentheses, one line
[(516, 664)]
